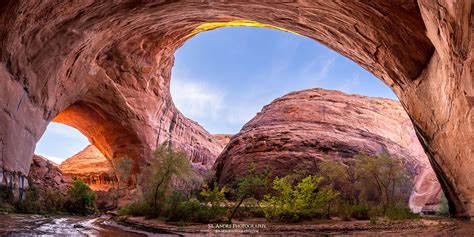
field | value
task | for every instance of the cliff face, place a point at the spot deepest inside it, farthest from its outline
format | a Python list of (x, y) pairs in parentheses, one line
[(92, 167), (45, 174), (222, 139), (302, 128), (104, 67)]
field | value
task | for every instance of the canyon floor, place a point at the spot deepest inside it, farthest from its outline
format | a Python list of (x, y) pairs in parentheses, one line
[(104, 225)]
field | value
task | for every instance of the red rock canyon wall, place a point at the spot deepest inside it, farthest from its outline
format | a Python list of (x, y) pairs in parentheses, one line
[(104, 67), (300, 130)]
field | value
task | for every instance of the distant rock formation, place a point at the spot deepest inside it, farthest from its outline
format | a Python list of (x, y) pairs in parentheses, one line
[(300, 129), (222, 139), (92, 167)]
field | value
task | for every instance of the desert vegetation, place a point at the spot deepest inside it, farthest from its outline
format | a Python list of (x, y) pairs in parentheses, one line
[(367, 187), (363, 188), (79, 199)]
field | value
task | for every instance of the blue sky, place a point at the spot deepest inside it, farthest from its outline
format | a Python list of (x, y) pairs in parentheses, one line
[(222, 78)]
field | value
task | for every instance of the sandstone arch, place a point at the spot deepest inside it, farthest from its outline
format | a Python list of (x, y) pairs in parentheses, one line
[(56, 54)]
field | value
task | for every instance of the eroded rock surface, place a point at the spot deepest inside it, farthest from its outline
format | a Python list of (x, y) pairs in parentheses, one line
[(222, 139), (46, 175), (299, 130), (92, 167)]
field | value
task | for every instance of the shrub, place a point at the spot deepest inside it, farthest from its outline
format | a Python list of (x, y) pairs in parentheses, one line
[(31, 204), (250, 208), (6, 199), (443, 206), (81, 199), (294, 204), (6, 194), (53, 201), (215, 195), (400, 213), (357, 211), (194, 211), (138, 208)]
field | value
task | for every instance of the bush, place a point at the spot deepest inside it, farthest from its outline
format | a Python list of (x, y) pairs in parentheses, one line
[(443, 207), (31, 204), (138, 208), (194, 211), (6, 199), (6, 194), (81, 199), (294, 204), (400, 213), (250, 208), (357, 211), (53, 201), (215, 195)]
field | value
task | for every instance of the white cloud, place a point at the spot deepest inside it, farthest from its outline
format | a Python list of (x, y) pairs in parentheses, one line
[(196, 99), (54, 159)]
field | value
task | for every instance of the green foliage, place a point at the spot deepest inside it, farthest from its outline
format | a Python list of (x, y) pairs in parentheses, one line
[(31, 204), (357, 211), (250, 186), (443, 207), (382, 179), (166, 168), (255, 186), (295, 203), (194, 211), (53, 201), (368, 185), (81, 199), (213, 196), (400, 213), (166, 183), (339, 177), (138, 208), (250, 208), (6, 194), (6, 199)]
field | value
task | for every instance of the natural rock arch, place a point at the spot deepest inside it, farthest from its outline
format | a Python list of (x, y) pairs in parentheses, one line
[(57, 54)]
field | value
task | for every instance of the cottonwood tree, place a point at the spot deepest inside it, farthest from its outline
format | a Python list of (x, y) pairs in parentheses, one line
[(382, 179), (250, 186), (166, 167)]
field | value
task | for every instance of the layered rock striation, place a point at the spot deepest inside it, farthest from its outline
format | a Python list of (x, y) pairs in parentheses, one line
[(302, 129), (92, 167)]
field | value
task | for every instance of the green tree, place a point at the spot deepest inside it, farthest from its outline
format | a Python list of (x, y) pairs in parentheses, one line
[(250, 186), (339, 177), (382, 179), (215, 195), (166, 167), (295, 203), (81, 199)]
